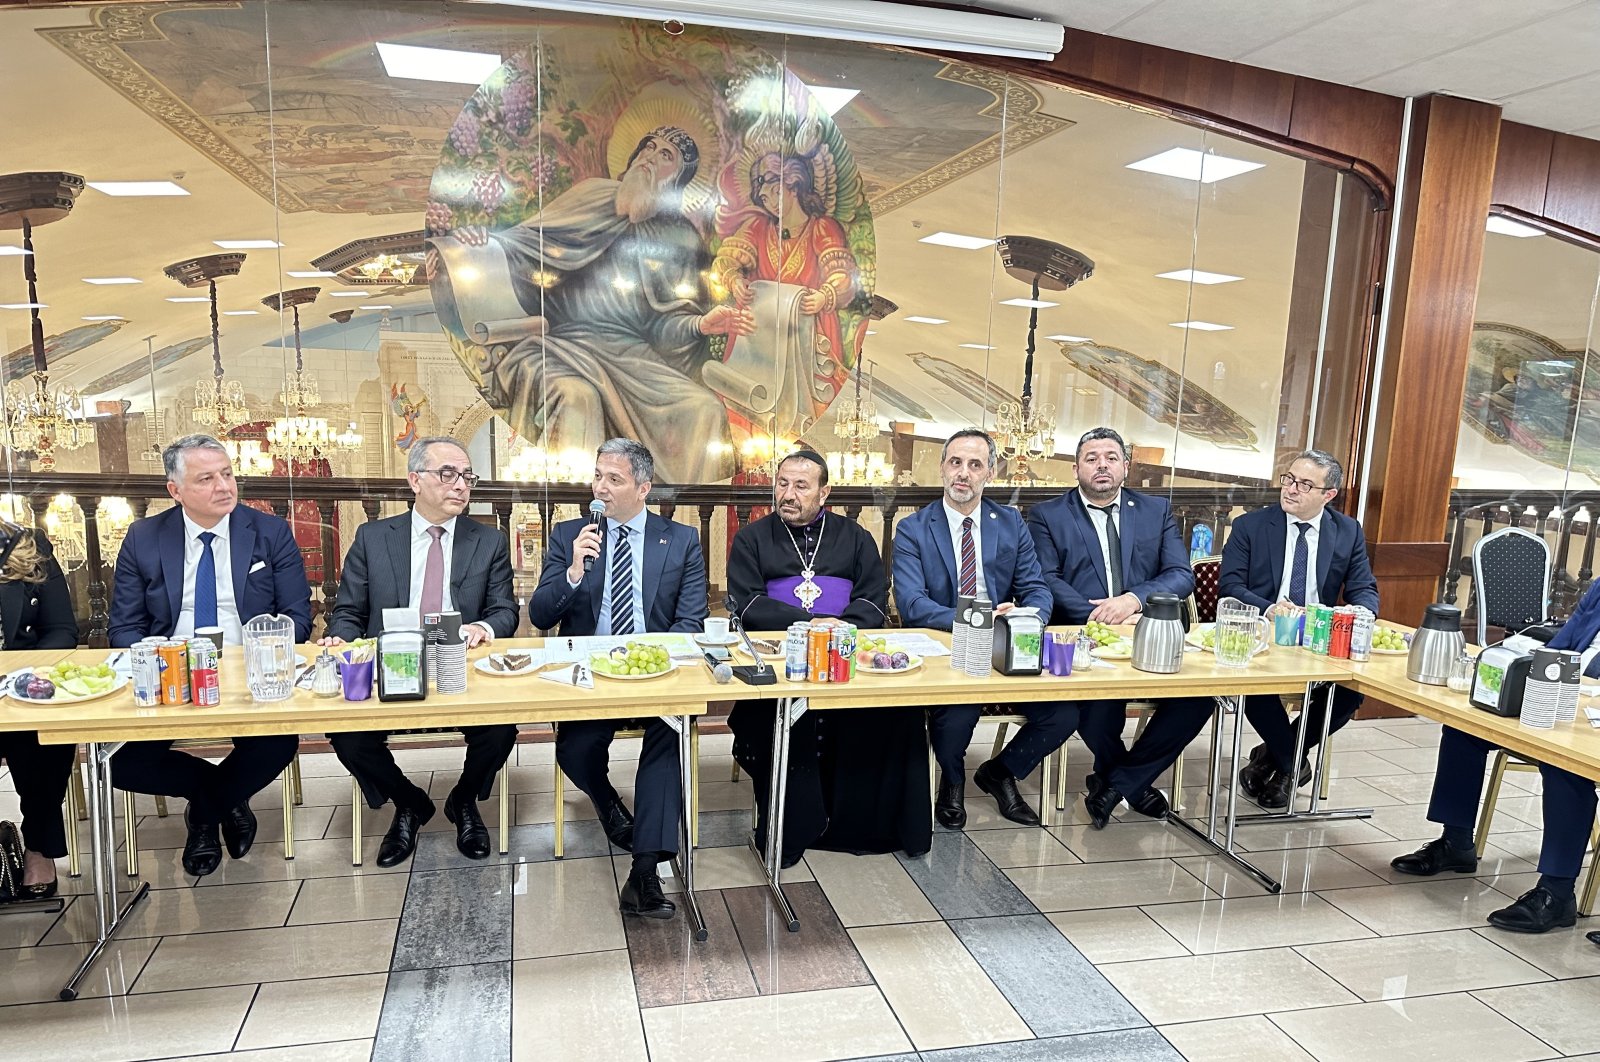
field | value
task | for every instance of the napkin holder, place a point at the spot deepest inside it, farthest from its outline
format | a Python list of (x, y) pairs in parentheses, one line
[(1499, 680), (1018, 638), (402, 666)]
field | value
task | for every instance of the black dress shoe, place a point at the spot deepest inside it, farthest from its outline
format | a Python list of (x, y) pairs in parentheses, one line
[(617, 821), (1537, 911), (1277, 791), (1101, 803), (1002, 785), (642, 895), (472, 836), (1593, 938), (1150, 803), (1253, 776), (401, 839), (239, 830), (950, 808), (202, 852), (1434, 857), (41, 890)]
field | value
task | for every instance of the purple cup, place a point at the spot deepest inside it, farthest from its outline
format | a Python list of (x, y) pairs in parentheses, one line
[(356, 680), (1061, 655)]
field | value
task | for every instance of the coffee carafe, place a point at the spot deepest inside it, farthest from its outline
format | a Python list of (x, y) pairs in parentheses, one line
[(1158, 636)]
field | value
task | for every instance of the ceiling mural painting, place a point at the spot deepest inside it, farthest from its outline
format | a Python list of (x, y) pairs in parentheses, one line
[(59, 346), (1164, 395), (141, 367), (1527, 392)]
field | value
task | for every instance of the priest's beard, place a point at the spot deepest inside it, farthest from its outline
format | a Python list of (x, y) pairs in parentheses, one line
[(640, 195)]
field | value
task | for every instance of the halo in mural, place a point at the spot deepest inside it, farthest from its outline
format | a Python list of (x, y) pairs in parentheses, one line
[(1526, 391), (1163, 395), (687, 263), (58, 346)]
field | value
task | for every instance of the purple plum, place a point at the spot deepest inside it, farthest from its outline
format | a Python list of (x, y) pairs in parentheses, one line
[(899, 661), (881, 661)]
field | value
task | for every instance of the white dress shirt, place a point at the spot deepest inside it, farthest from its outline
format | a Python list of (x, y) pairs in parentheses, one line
[(955, 516), (636, 549), (1588, 654), (420, 541), (222, 555), (1292, 536), (1098, 518)]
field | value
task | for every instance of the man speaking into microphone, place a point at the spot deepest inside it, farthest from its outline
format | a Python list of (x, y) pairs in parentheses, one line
[(632, 573)]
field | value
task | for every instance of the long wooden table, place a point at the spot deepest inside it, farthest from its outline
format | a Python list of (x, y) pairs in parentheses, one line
[(103, 725)]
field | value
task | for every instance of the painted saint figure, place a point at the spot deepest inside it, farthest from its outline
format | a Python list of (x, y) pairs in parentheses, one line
[(610, 273)]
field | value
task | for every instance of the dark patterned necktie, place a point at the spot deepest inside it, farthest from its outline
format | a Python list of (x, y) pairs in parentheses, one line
[(1113, 548), (622, 585), (1297, 573), (205, 583), (969, 561)]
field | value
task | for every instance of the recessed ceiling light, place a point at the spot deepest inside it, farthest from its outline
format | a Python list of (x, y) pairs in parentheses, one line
[(240, 313), (348, 294), (24, 305), (10, 249), (306, 274), (927, 320), (975, 346), (871, 332), (137, 188), (1202, 326), (187, 298), (955, 239), (1036, 304), (246, 245), (833, 99), (383, 307), (1203, 166), (437, 64), (111, 280), (106, 317), (1069, 339), (1506, 227), (1199, 276)]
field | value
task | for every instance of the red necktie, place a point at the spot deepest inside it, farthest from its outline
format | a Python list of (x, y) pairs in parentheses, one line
[(433, 573)]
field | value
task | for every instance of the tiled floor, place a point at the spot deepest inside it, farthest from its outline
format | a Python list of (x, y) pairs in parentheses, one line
[(1002, 944)]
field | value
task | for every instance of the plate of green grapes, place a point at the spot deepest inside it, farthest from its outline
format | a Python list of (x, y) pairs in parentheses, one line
[(64, 683), (1109, 644), (633, 662), (1386, 641)]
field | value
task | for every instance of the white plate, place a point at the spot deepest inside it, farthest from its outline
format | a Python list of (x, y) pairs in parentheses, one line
[(481, 665), (1391, 652), (62, 697), (776, 655), (1122, 650), (671, 667), (916, 662), (721, 643)]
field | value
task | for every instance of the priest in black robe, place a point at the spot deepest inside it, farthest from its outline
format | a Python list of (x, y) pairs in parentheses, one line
[(858, 777)]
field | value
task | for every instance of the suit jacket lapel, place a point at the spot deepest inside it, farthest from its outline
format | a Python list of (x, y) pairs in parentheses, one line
[(1078, 516), (939, 524), (595, 580), (1277, 527), (657, 532), (170, 542), (461, 554), (241, 544), (1127, 529), (989, 528), (1325, 546), (399, 541)]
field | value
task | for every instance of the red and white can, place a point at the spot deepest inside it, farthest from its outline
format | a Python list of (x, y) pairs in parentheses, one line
[(204, 672)]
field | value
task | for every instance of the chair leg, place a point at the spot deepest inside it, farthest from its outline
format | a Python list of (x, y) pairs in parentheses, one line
[(288, 812), (561, 812), (1177, 782), (933, 785), (355, 822), (1591, 884), (735, 776), (694, 783), (505, 810), (294, 770), (161, 806), (1046, 815), (130, 833), (70, 814), (1497, 774), (999, 740), (1327, 764), (82, 794), (1061, 778)]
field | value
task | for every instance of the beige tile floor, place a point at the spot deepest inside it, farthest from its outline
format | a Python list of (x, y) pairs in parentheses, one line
[(1127, 943)]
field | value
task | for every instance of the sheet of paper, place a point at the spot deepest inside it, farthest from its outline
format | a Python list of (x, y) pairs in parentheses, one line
[(574, 650), (916, 644), (571, 675)]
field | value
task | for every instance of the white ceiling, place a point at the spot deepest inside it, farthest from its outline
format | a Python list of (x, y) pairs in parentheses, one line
[(1538, 59)]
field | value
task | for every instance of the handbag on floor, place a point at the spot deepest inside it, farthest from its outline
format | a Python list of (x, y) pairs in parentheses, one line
[(10, 862)]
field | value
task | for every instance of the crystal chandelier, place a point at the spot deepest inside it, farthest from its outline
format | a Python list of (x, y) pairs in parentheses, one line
[(39, 419), (248, 458), (155, 421), (389, 268), (857, 425), (64, 523), (219, 404), (533, 464), (113, 517), (302, 437), (1026, 431)]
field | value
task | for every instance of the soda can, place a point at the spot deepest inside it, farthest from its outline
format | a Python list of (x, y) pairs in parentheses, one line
[(174, 657), (145, 667), (818, 638), (1319, 623), (841, 654), (794, 652), (1361, 629), (1344, 619), (852, 643), (204, 672)]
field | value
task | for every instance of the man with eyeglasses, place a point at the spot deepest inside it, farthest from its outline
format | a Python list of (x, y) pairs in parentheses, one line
[(433, 559), (1298, 552)]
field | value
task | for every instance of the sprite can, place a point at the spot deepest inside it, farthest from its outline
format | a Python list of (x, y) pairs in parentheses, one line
[(1319, 628)]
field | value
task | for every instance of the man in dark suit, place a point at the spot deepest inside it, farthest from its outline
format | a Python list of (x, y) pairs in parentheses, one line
[(646, 574), (949, 549), (1568, 807), (1297, 552), (402, 562), (1104, 550), (206, 562)]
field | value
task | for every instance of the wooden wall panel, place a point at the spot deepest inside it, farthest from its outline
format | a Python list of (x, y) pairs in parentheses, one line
[(1573, 195), (1522, 167), (1354, 122)]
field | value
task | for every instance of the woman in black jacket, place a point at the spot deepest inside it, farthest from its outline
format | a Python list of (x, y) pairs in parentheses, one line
[(36, 613)]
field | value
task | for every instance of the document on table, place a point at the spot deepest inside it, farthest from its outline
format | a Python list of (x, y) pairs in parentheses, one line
[(916, 644), (577, 650)]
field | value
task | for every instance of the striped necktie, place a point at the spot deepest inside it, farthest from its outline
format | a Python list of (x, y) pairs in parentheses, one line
[(969, 561), (622, 585)]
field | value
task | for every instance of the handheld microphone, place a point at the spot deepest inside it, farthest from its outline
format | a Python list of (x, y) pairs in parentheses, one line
[(597, 512)]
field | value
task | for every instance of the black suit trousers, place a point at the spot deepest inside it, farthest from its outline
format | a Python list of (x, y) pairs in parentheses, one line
[(1049, 725), (40, 773), (1271, 720), (366, 755), (211, 789), (583, 751)]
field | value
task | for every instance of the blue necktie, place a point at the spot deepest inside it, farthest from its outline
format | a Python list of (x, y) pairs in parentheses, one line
[(622, 585), (1297, 574), (205, 584)]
